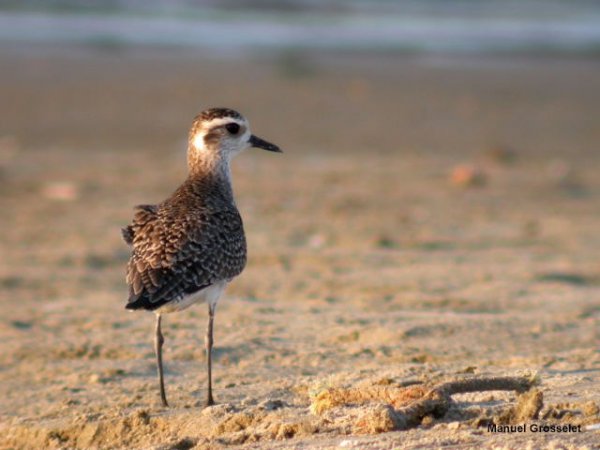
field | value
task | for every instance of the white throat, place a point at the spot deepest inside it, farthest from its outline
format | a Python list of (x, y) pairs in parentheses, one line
[(209, 160)]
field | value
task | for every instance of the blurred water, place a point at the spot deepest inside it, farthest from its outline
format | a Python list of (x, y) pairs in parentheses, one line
[(233, 26)]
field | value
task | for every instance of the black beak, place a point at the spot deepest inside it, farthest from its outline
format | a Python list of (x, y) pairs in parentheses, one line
[(260, 143)]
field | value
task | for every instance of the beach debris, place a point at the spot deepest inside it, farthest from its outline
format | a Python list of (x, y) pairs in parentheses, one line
[(271, 405), (402, 408), (385, 241), (65, 191), (467, 176), (317, 240), (566, 178), (501, 155)]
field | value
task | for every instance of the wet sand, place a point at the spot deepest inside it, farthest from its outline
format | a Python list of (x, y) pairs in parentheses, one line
[(372, 260)]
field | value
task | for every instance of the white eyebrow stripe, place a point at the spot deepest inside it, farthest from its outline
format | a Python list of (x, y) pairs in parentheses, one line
[(222, 121)]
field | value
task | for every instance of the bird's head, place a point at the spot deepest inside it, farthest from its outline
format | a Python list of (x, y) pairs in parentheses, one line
[(218, 134)]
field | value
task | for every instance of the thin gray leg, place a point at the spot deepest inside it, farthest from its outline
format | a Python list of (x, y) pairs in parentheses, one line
[(158, 343), (209, 344)]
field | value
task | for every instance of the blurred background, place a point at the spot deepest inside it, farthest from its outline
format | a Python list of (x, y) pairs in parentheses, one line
[(437, 204), (104, 71)]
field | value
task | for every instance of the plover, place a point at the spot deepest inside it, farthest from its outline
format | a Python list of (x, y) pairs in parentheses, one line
[(189, 247)]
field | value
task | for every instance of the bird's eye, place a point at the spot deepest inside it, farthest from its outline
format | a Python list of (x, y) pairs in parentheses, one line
[(233, 128)]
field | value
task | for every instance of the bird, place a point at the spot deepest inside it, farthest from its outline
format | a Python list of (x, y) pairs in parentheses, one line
[(188, 248)]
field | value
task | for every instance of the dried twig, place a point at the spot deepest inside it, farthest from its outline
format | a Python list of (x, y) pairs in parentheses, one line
[(408, 406), (438, 400)]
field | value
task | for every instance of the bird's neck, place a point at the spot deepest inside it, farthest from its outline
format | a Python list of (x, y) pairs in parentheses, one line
[(210, 168)]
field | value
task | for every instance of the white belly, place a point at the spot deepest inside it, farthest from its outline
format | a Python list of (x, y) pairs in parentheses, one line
[(210, 295)]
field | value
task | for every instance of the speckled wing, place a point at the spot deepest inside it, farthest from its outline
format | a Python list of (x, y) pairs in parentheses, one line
[(176, 253)]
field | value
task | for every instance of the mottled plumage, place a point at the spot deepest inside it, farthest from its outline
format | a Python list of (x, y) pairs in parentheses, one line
[(185, 244), (187, 248)]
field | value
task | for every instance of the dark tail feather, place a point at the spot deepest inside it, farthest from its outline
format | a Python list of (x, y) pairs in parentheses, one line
[(143, 302), (132, 306)]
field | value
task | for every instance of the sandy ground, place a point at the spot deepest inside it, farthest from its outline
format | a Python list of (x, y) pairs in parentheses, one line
[(368, 265)]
